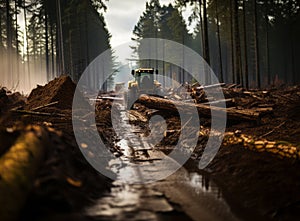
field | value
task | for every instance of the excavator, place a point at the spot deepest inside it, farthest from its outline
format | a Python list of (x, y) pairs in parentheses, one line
[(143, 83)]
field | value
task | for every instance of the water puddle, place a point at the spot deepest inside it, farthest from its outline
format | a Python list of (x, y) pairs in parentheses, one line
[(197, 197), (201, 183)]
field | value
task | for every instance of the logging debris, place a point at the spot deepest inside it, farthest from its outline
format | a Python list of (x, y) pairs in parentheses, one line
[(204, 110), (64, 181)]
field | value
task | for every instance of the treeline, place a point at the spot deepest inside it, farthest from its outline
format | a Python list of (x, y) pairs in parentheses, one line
[(249, 42), (50, 37), (165, 22)]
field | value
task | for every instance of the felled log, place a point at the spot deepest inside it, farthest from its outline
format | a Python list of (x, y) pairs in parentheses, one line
[(168, 133), (210, 86), (18, 168), (135, 116), (228, 102), (280, 149), (204, 110)]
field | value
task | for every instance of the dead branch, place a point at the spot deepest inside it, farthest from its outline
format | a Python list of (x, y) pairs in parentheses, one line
[(275, 128), (26, 112), (46, 105)]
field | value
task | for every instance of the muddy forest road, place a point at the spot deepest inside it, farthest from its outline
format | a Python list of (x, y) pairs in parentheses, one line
[(254, 176), (182, 196)]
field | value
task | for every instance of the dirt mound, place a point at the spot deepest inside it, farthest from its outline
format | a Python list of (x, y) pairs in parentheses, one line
[(62, 187), (58, 92), (10, 100)]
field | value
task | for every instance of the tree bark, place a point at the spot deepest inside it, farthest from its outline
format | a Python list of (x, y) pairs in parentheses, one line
[(204, 110), (232, 44), (292, 54), (8, 27), (1, 38), (206, 40), (60, 39), (245, 46), (8, 42), (52, 51), (206, 44), (256, 51), (201, 27), (18, 168), (267, 44), (17, 42), (237, 45), (27, 45), (47, 45), (219, 44)]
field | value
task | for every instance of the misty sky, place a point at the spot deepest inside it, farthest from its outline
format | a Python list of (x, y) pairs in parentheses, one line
[(122, 16)]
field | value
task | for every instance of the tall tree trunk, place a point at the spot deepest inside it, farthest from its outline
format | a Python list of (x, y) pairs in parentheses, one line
[(1, 43), (256, 50), (8, 42), (267, 43), (35, 52), (163, 66), (8, 27), (219, 43), (245, 46), (237, 57), (232, 44), (27, 45), (201, 27), (206, 43), (52, 51), (206, 40), (60, 39), (1, 39), (87, 39), (47, 45), (183, 54), (292, 54), (17, 41), (71, 54), (57, 50)]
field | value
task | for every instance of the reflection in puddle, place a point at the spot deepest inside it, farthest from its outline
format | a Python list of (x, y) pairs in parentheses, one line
[(203, 184), (194, 192), (136, 201)]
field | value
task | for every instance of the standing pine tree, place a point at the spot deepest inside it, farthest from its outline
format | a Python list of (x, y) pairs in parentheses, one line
[(164, 22)]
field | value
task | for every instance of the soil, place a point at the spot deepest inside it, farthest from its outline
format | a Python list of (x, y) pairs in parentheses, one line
[(256, 185), (59, 90), (63, 186), (264, 184)]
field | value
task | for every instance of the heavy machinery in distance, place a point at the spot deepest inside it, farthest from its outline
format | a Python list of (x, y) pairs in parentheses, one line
[(144, 82)]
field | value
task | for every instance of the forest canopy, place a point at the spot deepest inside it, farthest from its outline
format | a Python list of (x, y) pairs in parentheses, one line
[(248, 42), (253, 43), (59, 37)]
